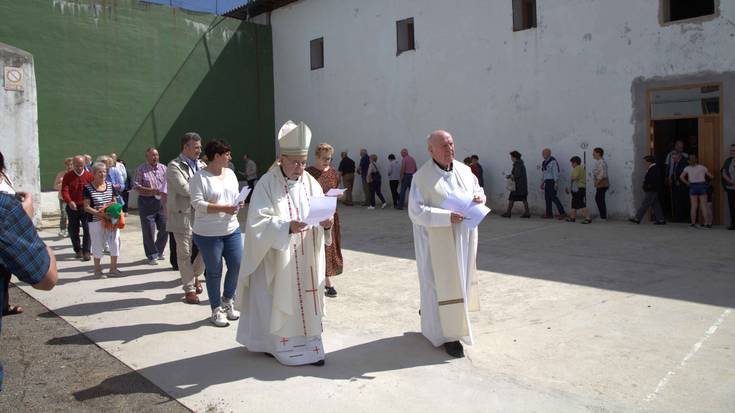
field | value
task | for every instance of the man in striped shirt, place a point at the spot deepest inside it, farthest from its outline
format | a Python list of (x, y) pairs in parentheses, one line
[(150, 182)]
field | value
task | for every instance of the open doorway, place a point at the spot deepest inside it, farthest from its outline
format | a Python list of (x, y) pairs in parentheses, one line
[(668, 136), (689, 115)]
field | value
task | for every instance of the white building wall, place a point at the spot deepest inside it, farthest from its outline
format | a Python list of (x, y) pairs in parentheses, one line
[(19, 126), (564, 85)]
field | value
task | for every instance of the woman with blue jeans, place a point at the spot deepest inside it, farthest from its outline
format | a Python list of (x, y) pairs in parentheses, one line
[(214, 192), (695, 176)]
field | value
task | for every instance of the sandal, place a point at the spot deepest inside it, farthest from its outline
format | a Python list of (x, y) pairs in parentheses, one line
[(571, 220), (198, 286), (13, 310)]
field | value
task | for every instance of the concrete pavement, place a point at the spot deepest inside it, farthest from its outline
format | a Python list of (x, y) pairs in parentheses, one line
[(608, 317)]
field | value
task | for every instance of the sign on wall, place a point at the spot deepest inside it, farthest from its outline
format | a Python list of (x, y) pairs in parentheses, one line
[(13, 78)]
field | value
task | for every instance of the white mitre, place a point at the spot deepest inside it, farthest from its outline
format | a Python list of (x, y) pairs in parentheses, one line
[(294, 139)]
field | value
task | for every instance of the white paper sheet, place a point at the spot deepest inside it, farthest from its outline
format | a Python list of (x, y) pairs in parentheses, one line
[(320, 209), (337, 192), (475, 214), (243, 195), (461, 202)]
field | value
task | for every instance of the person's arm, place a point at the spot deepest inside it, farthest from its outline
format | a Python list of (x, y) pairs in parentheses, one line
[(403, 169), (683, 177), (707, 172), (428, 216), (65, 181), (138, 184)]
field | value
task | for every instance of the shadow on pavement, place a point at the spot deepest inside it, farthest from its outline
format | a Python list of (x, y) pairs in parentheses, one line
[(191, 376), (124, 333), (87, 309), (143, 287)]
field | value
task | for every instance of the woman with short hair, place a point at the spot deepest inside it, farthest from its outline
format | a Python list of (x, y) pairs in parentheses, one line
[(601, 181), (695, 176), (98, 195), (520, 186), (375, 181), (328, 178), (216, 230)]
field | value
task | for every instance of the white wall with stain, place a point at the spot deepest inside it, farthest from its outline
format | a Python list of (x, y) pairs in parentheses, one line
[(566, 84)]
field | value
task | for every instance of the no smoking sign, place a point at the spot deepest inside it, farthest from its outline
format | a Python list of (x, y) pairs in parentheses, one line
[(13, 78)]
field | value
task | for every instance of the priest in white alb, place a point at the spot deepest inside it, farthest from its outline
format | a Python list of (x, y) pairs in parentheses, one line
[(446, 247), (281, 285)]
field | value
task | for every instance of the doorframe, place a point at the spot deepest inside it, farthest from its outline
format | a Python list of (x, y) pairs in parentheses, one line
[(719, 192)]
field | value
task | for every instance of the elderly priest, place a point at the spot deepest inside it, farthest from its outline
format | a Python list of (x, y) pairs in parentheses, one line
[(445, 245), (281, 286)]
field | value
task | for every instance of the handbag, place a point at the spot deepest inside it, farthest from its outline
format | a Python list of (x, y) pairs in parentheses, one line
[(510, 184), (603, 183)]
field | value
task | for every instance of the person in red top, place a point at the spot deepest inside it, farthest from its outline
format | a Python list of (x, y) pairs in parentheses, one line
[(408, 168), (72, 186)]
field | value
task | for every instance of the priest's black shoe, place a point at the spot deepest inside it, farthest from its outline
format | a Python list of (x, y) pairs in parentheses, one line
[(454, 349)]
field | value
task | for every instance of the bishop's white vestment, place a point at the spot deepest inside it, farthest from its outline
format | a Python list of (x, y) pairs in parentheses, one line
[(281, 285), (445, 253)]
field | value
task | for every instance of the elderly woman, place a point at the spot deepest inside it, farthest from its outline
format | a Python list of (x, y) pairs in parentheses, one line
[(520, 185), (114, 176), (328, 178), (375, 181), (97, 195), (214, 192)]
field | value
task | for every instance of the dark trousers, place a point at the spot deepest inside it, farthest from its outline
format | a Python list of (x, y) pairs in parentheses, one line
[(651, 200), (550, 196), (78, 219), (152, 218), (731, 205), (375, 189), (600, 201), (394, 191), (125, 196), (680, 203), (405, 187)]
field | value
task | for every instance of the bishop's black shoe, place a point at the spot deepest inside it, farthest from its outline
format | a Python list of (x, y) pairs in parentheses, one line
[(454, 349)]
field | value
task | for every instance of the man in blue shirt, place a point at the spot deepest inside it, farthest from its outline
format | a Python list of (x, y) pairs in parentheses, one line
[(550, 184), (22, 252)]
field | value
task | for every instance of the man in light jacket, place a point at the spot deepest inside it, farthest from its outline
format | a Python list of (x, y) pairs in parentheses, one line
[(179, 214)]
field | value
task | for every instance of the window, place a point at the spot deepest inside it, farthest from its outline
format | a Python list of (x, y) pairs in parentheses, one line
[(317, 53), (524, 14), (404, 31), (674, 10)]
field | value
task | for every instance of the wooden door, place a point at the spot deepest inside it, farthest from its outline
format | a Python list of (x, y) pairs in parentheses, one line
[(709, 142)]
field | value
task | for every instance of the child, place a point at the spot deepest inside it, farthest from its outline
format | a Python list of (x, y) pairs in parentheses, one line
[(579, 191)]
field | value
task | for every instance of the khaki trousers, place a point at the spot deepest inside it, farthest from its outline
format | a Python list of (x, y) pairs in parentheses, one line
[(188, 270), (348, 180)]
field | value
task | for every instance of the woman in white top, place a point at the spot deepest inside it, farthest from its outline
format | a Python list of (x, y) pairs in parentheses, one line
[(695, 175), (214, 192), (601, 180)]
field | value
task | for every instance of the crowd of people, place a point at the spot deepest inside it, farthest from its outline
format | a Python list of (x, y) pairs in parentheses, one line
[(282, 267)]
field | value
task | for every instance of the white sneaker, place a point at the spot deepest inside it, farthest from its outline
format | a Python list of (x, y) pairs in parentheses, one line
[(161, 257), (152, 261), (383, 206), (62, 233), (219, 318), (371, 207), (229, 309)]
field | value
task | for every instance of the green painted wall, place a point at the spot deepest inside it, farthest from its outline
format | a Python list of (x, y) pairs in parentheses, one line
[(121, 75)]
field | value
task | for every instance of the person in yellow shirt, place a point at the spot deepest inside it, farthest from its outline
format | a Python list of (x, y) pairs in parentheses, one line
[(578, 190)]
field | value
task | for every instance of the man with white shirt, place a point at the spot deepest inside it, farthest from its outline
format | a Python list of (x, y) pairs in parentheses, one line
[(446, 247)]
